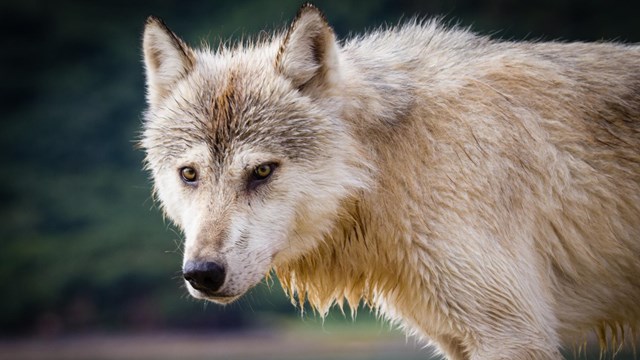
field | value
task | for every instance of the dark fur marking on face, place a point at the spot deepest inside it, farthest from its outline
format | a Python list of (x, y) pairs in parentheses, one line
[(243, 241), (223, 118)]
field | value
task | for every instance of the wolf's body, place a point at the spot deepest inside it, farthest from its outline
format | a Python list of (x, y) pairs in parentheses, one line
[(486, 194)]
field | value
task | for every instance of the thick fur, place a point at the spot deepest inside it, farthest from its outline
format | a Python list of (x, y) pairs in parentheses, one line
[(484, 193)]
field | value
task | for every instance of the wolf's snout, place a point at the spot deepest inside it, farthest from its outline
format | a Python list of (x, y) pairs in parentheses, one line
[(207, 276)]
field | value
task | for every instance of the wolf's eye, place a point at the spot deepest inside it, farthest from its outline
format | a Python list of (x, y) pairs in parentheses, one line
[(262, 171), (188, 174), (260, 174)]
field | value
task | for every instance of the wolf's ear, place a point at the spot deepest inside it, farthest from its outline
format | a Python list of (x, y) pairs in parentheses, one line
[(308, 55), (166, 59)]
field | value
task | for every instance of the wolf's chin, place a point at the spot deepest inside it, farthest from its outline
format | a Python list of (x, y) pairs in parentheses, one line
[(219, 299), (223, 300)]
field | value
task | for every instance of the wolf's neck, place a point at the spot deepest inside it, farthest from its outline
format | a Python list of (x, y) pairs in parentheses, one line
[(363, 268), (362, 258)]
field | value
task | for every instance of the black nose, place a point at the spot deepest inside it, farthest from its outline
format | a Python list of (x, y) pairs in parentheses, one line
[(207, 276)]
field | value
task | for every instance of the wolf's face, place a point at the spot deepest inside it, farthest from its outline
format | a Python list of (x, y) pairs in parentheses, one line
[(247, 158)]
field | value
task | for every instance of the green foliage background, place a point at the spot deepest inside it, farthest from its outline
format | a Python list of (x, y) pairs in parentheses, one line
[(82, 245)]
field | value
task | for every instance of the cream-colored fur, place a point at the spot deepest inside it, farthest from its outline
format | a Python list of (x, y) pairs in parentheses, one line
[(485, 194)]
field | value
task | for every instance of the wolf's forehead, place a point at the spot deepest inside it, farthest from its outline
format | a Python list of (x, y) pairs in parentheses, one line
[(232, 111)]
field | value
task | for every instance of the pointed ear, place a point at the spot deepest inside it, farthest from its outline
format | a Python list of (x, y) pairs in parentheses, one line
[(308, 55), (166, 59)]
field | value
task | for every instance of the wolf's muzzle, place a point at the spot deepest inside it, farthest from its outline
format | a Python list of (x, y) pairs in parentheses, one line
[(206, 277)]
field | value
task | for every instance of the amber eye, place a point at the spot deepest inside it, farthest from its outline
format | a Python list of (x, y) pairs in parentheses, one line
[(262, 171), (261, 174), (188, 174)]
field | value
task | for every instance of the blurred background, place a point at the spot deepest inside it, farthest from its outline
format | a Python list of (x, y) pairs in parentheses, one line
[(88, 267)]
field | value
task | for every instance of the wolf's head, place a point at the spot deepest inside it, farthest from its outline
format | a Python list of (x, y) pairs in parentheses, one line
[(247, 150)]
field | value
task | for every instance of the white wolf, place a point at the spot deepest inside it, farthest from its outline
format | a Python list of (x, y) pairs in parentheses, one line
[(484, 193)]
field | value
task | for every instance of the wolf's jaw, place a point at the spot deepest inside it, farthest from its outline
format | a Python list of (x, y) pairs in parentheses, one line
[(222, 300)]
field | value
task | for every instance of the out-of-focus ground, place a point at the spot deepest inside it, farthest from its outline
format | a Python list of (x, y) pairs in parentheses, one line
[(263, 346), (306, 340)]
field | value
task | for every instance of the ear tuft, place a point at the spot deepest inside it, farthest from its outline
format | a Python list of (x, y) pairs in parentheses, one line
[(308, 55), (167, 59)]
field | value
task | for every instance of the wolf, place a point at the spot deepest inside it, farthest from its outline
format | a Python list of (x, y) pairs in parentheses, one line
[(484, 194)]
